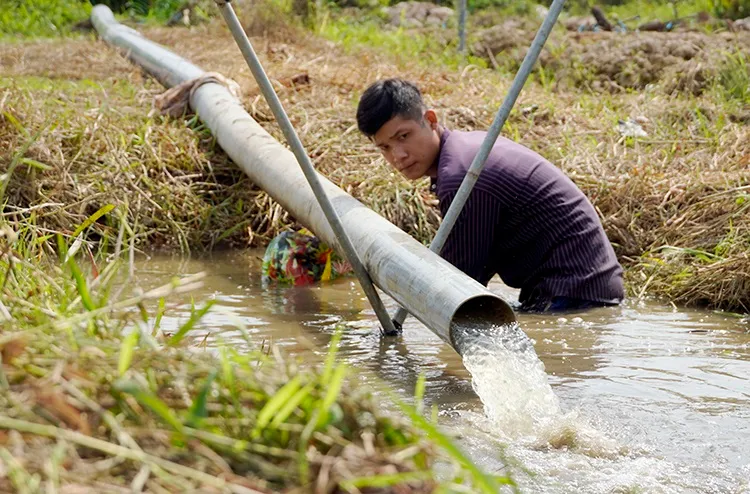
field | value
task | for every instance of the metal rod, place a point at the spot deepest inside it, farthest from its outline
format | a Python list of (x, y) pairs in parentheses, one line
[(492, 134), (304, 162), (462, 26)]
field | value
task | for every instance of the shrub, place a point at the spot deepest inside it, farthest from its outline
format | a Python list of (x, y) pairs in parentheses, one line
[(41, 17)]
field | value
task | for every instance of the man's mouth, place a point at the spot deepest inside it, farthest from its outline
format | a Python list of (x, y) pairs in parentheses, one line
[(404, 169)]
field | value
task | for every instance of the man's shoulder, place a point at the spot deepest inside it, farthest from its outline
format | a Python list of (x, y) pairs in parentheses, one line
[(460, 147), (457, 152), (460, 140), (507, 160)]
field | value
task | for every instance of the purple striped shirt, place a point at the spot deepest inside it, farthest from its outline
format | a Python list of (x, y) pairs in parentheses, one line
[(526, 221)]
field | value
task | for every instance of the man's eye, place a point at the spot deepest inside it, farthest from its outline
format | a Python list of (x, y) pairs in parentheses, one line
[(403, 136)]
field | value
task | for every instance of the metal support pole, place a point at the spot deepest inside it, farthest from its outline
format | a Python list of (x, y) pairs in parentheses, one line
[(462, 26), (492, 134), (304, 161)]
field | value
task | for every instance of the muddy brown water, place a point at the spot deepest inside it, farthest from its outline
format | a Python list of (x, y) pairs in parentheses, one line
[(655, 398)]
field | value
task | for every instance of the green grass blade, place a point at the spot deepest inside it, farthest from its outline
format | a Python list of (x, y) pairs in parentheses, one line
[(35, 164), (159, 314), (150, 401), (332, 351), (198, 410), (18, 157), (91, 219), (384, 481), (19, 477), (42, 239), (481, 480), (228, 376), (195, 317), (230, 231), (291, 405), (81, 285), (419, 392), (334, 387), (303, 465), (15, 123), (143, 312), (276, 403), (127, 348)]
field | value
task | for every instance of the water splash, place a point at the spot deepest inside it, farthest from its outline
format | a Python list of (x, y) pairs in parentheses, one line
[(518, 400), (507, 376)]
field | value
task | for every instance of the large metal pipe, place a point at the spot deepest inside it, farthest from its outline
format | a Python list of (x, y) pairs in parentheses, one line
[(434, 291)]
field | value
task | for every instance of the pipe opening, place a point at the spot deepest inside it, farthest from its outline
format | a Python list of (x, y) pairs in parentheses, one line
[(483, 313)]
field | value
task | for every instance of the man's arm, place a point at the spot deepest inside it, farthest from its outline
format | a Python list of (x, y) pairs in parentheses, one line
[(470, 244)]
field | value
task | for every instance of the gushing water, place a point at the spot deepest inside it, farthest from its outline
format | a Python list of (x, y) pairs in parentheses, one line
[(508, 377)]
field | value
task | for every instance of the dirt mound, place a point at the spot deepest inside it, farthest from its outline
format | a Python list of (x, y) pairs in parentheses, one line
[(682, 61), (418, 14), (636, 61), (502, 38)]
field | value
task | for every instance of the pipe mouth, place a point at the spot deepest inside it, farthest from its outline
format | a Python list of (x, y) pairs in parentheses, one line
[(480, 313)]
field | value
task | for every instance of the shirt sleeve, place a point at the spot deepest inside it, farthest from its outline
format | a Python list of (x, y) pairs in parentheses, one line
[(470, 243)]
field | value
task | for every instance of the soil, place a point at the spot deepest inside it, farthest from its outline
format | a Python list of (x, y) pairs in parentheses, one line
[(681, 61)]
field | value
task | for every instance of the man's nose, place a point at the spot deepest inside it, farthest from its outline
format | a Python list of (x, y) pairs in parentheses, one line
[(399, 153)]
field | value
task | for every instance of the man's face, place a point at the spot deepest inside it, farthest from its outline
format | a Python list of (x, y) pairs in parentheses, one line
[(410, 146)]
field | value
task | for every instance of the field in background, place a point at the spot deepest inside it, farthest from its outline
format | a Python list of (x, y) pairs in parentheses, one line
[(673, 201)]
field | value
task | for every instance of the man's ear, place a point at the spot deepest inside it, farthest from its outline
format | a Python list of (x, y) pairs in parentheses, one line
[(431, 118)]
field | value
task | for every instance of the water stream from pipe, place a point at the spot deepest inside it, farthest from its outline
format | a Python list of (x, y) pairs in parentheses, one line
[(508, 377)]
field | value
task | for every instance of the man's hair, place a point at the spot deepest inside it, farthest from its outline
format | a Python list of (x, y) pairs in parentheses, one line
[(386, 99)]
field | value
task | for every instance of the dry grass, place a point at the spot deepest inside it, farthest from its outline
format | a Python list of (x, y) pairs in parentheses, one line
[(672, 203), (102, 148)]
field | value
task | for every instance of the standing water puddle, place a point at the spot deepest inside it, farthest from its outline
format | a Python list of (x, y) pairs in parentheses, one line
[(639, 398)]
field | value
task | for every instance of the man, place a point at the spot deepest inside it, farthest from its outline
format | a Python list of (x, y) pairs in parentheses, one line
[(524, 220)]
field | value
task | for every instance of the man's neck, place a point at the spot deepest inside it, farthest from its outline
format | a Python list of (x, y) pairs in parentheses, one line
[(433, 171)]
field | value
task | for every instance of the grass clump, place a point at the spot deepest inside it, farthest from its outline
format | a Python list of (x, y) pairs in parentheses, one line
[(641, 11), (428, 46), (101, 147), (734, 78)]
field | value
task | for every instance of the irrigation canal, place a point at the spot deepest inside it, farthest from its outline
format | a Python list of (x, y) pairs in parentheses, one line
[(652, 398)]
